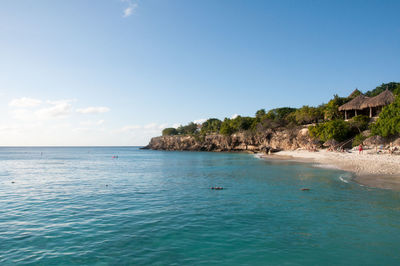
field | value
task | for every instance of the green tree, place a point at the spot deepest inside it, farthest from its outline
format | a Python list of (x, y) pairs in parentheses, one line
[(226, 128), (260, 113), (212, 125), (392, 86), (335, 129), (331, 109), (169, 131), (360, 123), (280, 114), (388, 123), (189, 129), (307, 114)]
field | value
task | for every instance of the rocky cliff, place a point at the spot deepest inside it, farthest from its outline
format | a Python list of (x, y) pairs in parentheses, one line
[(270, 140)]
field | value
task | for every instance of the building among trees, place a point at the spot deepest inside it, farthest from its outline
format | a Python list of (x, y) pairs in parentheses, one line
[(364, 105)]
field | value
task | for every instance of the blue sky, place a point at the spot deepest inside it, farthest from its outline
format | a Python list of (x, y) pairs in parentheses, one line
[(112, 72)]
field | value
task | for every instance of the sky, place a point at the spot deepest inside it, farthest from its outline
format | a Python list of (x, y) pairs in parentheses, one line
[(116, 72)]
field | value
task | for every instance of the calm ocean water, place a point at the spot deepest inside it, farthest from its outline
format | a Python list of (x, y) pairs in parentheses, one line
[(80, 206)]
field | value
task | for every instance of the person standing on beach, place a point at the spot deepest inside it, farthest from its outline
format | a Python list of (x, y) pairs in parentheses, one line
[(360, 149)]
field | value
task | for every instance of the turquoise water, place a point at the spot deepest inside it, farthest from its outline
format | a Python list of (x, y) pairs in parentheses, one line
[(79, 206)]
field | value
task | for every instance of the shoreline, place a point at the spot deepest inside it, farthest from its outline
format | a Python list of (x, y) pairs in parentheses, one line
[(369, 169)]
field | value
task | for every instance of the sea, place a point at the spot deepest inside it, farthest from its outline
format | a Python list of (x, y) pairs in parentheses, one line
[(126, 206)]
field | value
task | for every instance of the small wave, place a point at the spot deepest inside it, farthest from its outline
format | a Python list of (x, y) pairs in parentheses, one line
[(325, 166), (258, 155), (345, 178)]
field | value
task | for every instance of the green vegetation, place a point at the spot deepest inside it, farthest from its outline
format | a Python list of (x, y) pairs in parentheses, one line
[(307, 115), (359, 123), (392, 86), (280, 114), (230, 126), (358, 139), (169, 131), (331, 108), (388, 123), (335, 129), (189, 129), (212, 125), (327, 122)]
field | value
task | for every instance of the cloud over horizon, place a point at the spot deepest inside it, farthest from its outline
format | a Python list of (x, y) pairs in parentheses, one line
[(34, 121), (24, 102), (93, 110)]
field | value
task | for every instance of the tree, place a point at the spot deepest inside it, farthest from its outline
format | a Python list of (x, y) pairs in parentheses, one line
[(359, 122), (307, 114), (392, 86), (335, 129), (212, 125), (226, 128), (189, 129), (388, 123), (260, 113), (331, 109), (170, 131), (280, 114)]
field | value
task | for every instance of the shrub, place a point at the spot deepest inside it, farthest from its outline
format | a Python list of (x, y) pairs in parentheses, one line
[(307, 114), (358, 139), (170, 131), (336, 129), (388, 123), (226, 128), (359, 123), (189, 129), (211, 125)]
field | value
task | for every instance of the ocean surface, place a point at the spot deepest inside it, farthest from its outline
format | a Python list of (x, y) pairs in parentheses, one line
[(81, 206)]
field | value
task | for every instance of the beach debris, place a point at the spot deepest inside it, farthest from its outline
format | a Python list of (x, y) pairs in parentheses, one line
[(217, 188), (305, 189)]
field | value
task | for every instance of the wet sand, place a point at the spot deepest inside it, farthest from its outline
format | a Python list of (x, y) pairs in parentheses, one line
[(370, 169)]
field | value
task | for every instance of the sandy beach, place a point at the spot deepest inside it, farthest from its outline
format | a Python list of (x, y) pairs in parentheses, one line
[(370, 169)]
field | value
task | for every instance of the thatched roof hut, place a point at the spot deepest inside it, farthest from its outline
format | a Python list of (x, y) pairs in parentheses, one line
[(354, 94), (384, 98), (354, 104)]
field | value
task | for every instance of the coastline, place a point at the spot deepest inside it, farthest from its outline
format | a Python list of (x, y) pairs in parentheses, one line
[(370, 169)]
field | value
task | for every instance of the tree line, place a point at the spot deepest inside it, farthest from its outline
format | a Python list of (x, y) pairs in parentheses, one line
[(327, 122)]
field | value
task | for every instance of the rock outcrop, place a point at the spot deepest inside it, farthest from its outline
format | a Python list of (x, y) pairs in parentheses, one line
[(270, 140)]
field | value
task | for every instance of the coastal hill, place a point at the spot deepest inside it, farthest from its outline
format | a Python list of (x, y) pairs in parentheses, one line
[(369, 118)]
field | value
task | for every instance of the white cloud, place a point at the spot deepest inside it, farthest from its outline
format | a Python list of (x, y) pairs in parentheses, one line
[(60, 109), (130, 9), (162, 126), (25, 102), (151, 126), (234, 116), (200, 121), (92, 123), (93, 110), (129, 128), (7, 128)]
